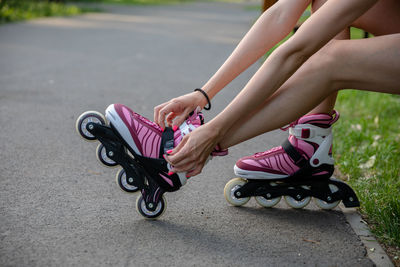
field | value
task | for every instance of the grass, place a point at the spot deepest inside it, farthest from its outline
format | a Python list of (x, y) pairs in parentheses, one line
[(17, 10), (367, 152), (135, 2)]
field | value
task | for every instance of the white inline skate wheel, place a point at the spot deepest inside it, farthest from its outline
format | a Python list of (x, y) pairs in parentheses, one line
[(230, 189), (148, 214), (297, 204), (101, 155), (84, 119), (325, 205), (267, 203), (122, 182)]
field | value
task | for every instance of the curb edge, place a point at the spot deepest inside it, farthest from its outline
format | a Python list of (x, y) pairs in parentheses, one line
[(374, 250)]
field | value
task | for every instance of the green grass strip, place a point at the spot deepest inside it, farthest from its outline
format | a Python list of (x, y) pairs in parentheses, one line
[(17, 10), (135, 2), (367, 152)]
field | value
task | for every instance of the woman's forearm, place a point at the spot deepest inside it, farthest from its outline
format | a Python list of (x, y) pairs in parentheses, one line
[(269, 29), (275, 70)]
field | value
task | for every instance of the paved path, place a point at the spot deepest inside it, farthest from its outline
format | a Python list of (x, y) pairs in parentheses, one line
[(59, 207)]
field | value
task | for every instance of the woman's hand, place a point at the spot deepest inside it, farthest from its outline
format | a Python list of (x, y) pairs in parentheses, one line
[(192, 153), (177, 109)]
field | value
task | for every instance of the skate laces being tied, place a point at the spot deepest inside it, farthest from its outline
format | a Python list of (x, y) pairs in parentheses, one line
[(274, 149), (147, 121), (194, 120)]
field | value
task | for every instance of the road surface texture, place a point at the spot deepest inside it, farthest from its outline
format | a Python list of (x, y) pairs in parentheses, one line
[(60, 207)]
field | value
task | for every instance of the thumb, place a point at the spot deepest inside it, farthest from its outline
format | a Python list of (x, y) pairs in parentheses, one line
[(177, 149), (178, 120)]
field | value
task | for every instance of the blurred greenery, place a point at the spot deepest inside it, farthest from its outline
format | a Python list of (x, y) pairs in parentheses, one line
[(134, 2), (16, 10)]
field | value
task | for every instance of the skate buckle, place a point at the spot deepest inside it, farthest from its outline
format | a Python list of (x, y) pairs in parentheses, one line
[(305, 133), (302, 131)]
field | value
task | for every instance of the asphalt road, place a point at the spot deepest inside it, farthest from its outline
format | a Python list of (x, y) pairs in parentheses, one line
[(60, 207)]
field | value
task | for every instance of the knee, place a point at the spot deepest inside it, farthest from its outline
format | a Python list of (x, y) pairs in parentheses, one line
[(316, 4), (322, 67), (332, 63)]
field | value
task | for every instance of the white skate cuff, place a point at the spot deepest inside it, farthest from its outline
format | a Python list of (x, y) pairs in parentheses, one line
[(308, 131)]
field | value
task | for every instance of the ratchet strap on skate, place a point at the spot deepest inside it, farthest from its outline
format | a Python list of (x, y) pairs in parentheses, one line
[(308, 131), (292, 152), (167, 141)]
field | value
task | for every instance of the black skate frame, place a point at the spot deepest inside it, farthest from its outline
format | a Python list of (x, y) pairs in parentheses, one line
[(301, 184), (300, 187), (144, 171)]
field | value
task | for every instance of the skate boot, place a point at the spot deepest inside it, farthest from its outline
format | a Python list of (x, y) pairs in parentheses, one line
[(138, 145), (149, 140), (299, 169), (145, 137)]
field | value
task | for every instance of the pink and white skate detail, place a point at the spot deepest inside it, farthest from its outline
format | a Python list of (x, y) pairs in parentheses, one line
[(144, 136), (311, 136), (141, 134)]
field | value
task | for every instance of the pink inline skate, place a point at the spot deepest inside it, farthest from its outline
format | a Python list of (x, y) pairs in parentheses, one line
[(138, 145), (299, 169)]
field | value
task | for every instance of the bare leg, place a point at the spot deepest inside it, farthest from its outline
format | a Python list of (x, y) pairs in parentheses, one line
[(368, 64), (327, 105), (380, 20)]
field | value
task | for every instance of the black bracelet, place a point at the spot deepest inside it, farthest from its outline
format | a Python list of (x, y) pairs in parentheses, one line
[(206, 96)]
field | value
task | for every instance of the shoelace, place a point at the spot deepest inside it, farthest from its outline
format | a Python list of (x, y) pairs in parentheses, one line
[(146, 121), (260, 154)]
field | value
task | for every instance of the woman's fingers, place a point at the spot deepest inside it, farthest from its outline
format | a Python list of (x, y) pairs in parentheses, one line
[(179, 119), (174, 119), (192, 152), (163, 112), (178, 153), (157, 111), (168, 111), (180, 159), (195, 171), (170, 117), (189, 166), (192, 167), (176, 110), (184, 161)]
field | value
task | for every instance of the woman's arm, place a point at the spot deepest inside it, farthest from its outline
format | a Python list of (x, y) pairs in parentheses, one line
[(191, 154), (271, 27), (321, 27)]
